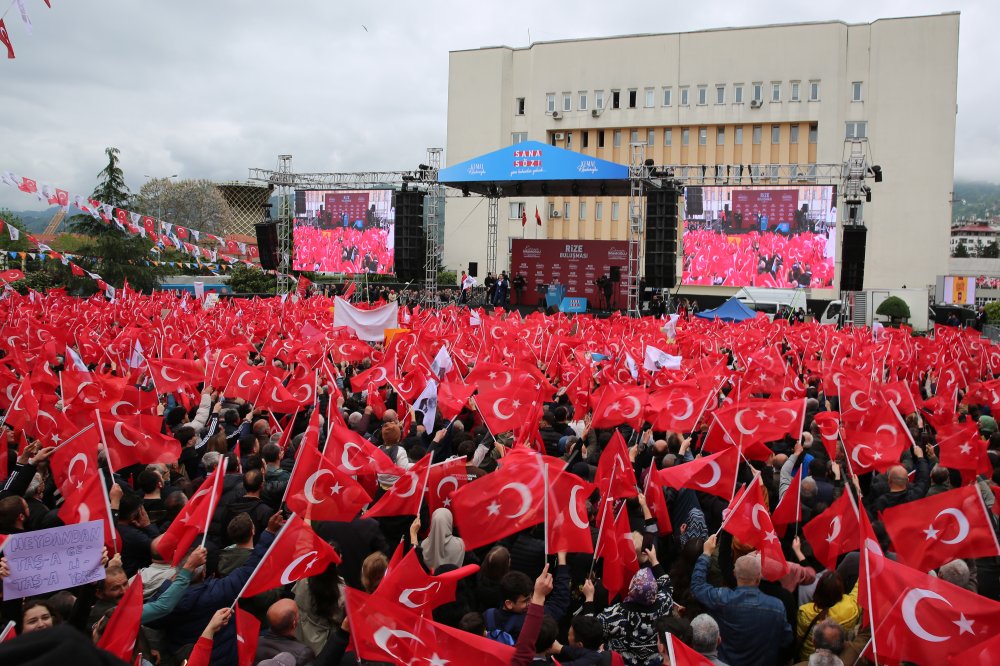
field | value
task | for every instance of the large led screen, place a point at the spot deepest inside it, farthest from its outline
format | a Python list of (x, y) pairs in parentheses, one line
[(344, 231), (778, 237)]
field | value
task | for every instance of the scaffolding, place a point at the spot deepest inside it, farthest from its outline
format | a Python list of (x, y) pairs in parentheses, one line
[(638, 174), (433, 224)]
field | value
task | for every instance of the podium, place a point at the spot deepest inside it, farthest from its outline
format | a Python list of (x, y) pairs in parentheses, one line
[(554, 295)]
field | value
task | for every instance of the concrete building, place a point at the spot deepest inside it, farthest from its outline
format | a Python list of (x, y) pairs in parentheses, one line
[(761, 96), (973, 237)]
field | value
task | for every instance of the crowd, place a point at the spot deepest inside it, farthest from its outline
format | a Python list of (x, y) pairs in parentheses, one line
[(757, 259), (343, 249), (498, 490)]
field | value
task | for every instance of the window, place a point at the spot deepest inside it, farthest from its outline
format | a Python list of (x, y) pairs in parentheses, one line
[(569, 141), (550, 102), (584, 139), (720, 136), (794, 94), (614, 211), (552, 210), (758, 92), (633, 137), (757, 129), (793, 134), (775, 92), (599, 99), (720, 94), (632, 95), (618, 138), (650, 137), (552, 138), (775, 134), (738, 140), (650, 98), (668, 96), (519, 106), (600, 138), (813, 132), (685, 136), (702, 136), (702, 95), (616, 99), (857, 130), (518, 137), (738, 93), (567, 209), (668, 137), (856, 91), (598, 210), (516, 208), (814, 91), (583, 100), (567, 102), (685, 96), (583, 210)]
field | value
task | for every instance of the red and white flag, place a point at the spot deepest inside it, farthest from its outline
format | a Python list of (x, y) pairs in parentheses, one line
[(499, 504), (318, 490), (406, 495), (834, 531), (193, 519), (615, 474), (747, 519), (409, 584), (714, 474), (123, 627), (296, 553)]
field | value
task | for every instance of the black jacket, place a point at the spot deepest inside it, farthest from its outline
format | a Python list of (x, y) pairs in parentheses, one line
[(355, 541)]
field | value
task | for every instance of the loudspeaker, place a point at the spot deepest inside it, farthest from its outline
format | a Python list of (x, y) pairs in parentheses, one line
[(473, 269), (411, 243), (852, 258), (661, 237), (616, 274), (300, 203), (693, 202), (267, 244)]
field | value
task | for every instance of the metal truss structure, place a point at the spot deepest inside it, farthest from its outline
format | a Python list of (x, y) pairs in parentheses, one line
[(638, 176), (246, 203), (434, 223)]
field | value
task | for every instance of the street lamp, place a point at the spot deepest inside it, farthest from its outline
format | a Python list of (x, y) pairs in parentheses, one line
[(159, 199)]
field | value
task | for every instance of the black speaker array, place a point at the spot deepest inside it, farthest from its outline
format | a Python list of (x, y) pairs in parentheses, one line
[(267, 244), (616, 274), (661, 237), (852, 258), (694, 202), (473, 269), (411, 243)]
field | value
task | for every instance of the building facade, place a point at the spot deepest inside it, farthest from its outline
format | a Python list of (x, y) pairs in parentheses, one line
[(760, 96)]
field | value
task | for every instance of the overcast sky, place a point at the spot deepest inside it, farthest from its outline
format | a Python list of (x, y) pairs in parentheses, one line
[(209, 88)]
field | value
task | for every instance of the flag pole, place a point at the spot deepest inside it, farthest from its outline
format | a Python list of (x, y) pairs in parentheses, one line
[(62, 392), (107, 506), (732, 512), (545, 513), (220, 472), (277, 537), (871, 612), (104, 441), (423, 491), (604, 513)]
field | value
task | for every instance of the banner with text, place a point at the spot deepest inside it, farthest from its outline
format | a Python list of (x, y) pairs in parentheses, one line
[(577, 265), (54, 559)]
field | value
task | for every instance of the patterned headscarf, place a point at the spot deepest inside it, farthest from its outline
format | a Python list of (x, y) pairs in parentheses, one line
[(642, 589)]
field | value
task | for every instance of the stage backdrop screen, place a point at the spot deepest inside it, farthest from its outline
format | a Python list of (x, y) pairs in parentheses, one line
[(575, 264), (779, 237), (344, 231)]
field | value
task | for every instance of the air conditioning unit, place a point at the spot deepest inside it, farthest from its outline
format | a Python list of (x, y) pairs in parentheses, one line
[(560, 136), (595, 112), (556, 115), (755, 103), (555, 213)]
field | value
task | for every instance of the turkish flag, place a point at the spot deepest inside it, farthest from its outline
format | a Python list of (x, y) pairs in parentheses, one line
[(408, 584), (923, 619), (27, 185), (681, 655), (453, 397), (11, 275), (318, 490), (376, 401), (123, 627), (90, 502), (445, 478), (899, 394), (388, 632), (678, 408), (76, 459), (617, 404), (245, 383), (657, 504), (568, 526), (829, 431), (173, 374), (137, 440), (193, 519), (378, 374), (834, 531), (296, 553), (935, 530), (961, 447), (616, 550), (149, 224), (714, 474), (789, 509), (275, 397), (353, 454), (747, 519), (24, 409), (404, 498), (866, 452), (538, 218), (411, 386), (501, 503), (508, 409), (247, 635), (615, 474), (761, 420)]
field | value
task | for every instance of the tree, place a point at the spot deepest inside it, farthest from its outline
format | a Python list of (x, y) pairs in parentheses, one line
[(118, 254), (990, 251), (245, 280), (895, 308), (961, 252), (195, 204), (993, 312)]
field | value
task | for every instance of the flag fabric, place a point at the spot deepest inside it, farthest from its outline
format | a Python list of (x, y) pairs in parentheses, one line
[(789, 509), (615, 474), (368, 325), (923, 619), (405, 495), (247, 635), (385, 631), (568, 526), (90, 502), (932, 531), (408, 584), (445, 478), (538, 218), (834, 531), (5, 38), (296, 553), (617, 404), (137, 441), (655, 360), (616, 550), (747, 519), (353, 454), (524, 217), (714, 474), (120, 633), (193, 519), (172, 375), (318, 490), (499, 504), (681, 655)]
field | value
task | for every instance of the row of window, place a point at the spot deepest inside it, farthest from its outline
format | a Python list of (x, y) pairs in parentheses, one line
[(517, 210), (630, 98)]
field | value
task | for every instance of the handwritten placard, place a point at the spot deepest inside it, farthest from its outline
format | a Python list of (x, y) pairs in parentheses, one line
[(53, 559)]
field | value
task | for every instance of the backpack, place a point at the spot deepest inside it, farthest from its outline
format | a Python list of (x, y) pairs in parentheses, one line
[(495, 633)]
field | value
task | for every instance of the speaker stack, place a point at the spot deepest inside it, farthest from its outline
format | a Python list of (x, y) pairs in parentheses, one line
[(411, 243), (852, 258), (661, 236), (267, 244)]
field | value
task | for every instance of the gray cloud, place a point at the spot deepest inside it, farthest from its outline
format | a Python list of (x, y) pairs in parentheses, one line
[(207, 89)]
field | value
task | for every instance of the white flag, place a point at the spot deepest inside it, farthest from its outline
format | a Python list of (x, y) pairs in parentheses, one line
[(657, 359), (14, 232), (474, 319), (137, 358), (427, 403), (442, 362), (670, 328), (24, 16), (75, 360), (633, 369)]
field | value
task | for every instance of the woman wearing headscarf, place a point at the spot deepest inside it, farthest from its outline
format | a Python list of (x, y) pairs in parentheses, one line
[(441, 545)]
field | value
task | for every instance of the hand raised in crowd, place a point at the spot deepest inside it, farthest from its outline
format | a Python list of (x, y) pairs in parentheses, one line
[(197, 558), (4, 567), (218, 621), (588, 590), (710, 544), (414, 530), (543, 586), (650, 554), (115, 495), (275, 523)]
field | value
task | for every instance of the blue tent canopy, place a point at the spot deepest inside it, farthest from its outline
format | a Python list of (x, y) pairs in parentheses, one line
[(731, 310), (532, 168)]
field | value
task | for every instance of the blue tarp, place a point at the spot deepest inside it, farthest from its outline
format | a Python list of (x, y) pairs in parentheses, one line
[(731, 310), (530, 166)]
